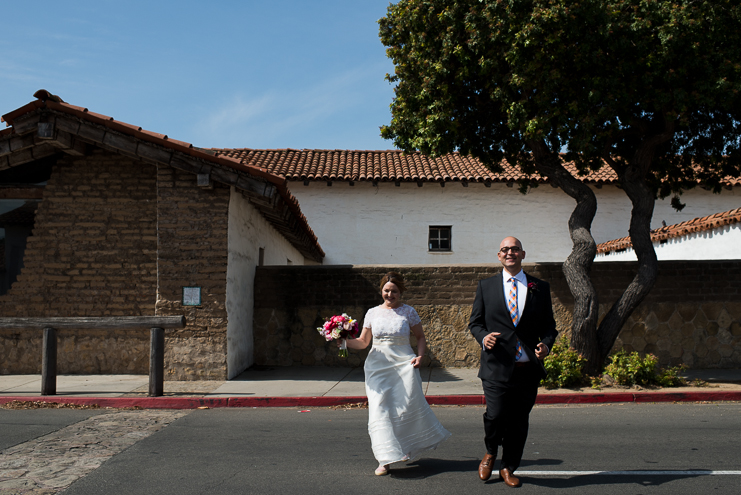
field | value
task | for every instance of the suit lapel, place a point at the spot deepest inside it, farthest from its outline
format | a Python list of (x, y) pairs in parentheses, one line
[(529, 299), (502, 297), (499, 293)]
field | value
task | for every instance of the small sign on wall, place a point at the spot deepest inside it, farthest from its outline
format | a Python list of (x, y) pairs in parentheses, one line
[(191, 296)]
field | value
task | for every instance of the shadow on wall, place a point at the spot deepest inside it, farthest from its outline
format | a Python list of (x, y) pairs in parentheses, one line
[(692, 315)]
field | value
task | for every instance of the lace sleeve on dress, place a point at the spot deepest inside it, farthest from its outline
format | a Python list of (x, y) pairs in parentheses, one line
[(367, 321), (413, 317)]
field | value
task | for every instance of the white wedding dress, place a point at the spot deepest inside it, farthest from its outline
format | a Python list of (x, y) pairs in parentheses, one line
[(401, 424)]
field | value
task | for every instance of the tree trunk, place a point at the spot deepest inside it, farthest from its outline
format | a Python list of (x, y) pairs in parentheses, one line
[(643, 201), (578, 265), (633, 180)]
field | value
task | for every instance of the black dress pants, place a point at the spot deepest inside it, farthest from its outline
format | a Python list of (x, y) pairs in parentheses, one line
[(508, 406)]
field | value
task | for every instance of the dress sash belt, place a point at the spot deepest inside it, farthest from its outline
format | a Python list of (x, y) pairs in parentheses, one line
[(388, 340)]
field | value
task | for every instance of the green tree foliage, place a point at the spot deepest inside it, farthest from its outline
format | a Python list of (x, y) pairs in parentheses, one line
[(648, 88), (592, 76)]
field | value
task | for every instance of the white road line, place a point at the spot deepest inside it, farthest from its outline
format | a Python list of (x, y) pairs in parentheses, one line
[(628, 473)]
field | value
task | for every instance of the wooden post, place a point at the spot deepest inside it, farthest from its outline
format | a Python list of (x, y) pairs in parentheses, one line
[(156, 362), (49, 362)]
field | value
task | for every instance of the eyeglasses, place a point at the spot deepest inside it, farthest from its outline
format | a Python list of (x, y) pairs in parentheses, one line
[(513, 250)]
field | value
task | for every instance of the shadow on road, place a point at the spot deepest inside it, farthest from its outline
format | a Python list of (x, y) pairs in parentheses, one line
[(425, 468), (605, 480)]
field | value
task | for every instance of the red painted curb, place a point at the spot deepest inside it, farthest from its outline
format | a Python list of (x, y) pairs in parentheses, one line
[(687, 396), (196, 402), (456, 400), (585, 398), (294, 401)]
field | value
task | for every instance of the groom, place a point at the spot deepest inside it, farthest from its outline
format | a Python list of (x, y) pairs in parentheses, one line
[(512, 320)]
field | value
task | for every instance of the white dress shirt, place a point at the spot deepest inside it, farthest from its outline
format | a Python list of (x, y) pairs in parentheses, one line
[(521, 298), (521, 289)]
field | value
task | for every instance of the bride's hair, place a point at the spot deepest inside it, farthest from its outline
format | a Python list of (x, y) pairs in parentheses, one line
[(396, 279)]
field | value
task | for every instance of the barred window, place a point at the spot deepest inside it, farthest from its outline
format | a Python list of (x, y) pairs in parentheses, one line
[(440, 238)]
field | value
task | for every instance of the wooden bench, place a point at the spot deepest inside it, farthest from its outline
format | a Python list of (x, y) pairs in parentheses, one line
[(155, 324)]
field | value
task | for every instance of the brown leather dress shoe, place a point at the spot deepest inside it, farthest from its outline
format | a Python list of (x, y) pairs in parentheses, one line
[(487, 463), (509, 478)]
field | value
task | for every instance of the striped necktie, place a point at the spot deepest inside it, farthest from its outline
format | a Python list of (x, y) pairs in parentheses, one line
[(513, 313), (512, 301)]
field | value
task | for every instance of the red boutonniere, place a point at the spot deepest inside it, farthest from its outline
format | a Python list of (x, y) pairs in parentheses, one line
[(532, 287)]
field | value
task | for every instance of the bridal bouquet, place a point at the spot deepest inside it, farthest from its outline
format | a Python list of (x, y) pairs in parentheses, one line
[(340, 327)]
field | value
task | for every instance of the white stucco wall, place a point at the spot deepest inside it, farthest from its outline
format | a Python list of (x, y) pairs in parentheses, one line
[(722, 243), (248, 232), (366, 224)]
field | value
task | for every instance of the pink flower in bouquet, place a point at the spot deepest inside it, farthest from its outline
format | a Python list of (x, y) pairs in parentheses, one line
[(339, 327)]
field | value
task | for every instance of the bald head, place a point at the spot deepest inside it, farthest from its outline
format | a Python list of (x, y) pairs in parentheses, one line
[(511, 255), (510, 241)]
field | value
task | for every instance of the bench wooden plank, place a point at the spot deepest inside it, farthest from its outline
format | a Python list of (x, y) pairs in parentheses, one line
[(93, 322)]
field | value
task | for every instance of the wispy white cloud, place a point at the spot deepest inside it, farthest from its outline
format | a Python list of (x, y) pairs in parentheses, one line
[(71, 62), (18, 73), (238, 112), (276, 117)]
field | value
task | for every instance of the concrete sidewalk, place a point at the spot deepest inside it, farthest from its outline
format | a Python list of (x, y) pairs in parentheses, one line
[(255, 382), (323, 386)]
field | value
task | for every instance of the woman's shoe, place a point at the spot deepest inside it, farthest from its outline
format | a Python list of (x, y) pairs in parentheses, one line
[(382, 470)]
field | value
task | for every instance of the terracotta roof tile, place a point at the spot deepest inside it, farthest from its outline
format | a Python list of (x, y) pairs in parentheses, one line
[(677, 230), (10, 116), (178, 143), (96, 115), (155, 135), (385, 166)]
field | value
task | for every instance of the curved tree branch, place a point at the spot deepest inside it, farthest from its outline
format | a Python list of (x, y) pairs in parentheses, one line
[(578, 265), (633, 181)]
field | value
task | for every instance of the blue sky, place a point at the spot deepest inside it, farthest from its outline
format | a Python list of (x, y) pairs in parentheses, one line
[(224, 74)]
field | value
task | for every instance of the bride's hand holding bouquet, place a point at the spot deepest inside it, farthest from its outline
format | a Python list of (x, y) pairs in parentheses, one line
[(340, 328)]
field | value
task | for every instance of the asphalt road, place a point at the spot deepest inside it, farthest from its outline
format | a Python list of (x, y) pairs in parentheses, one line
[(327, 451)]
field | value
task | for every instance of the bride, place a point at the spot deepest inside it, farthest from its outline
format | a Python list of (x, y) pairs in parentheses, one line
[(401, 424)]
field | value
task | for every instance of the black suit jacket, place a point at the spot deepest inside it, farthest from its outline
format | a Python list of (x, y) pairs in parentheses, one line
[(490, 314)]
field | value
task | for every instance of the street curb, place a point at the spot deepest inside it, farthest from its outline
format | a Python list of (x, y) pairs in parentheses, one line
[(463, 400), (643, 397)]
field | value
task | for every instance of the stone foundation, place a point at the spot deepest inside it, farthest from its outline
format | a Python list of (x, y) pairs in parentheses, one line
[(697, 335)]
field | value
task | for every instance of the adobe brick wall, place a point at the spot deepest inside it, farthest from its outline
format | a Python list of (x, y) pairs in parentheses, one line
[(115, 236), (692, 316), (192, 232), (92, 253)]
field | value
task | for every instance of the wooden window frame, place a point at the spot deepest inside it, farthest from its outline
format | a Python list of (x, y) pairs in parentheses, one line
[(436, 235)]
